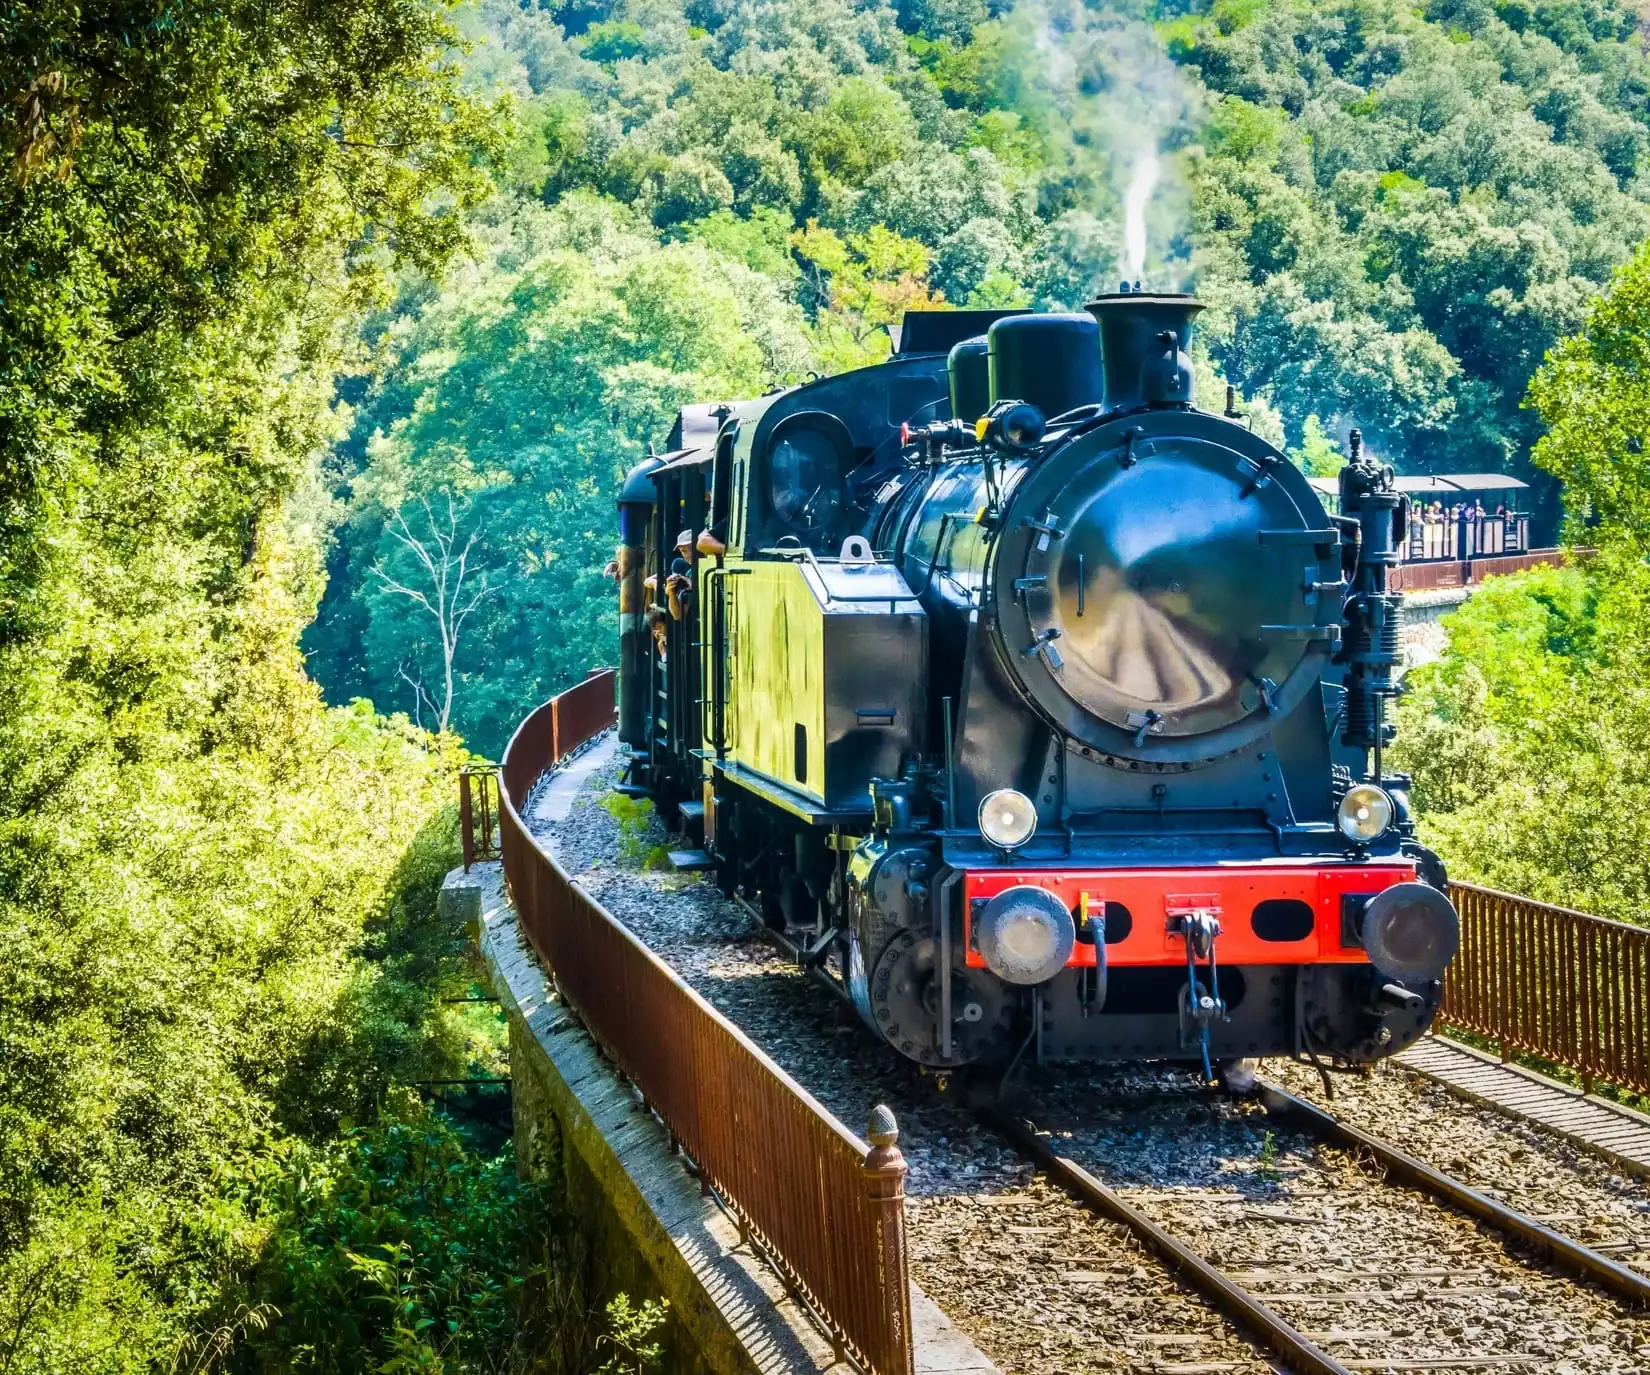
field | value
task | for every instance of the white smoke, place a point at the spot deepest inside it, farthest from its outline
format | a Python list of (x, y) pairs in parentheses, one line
[(1135, 201), (1096, 81)]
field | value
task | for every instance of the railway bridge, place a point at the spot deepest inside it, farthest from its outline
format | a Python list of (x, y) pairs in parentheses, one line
[(711, 1149), (1432, 589)]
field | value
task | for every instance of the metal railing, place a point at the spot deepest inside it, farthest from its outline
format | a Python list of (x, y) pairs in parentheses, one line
[(1570, 988), (827, 1208), (478, 812), (1424, 577)]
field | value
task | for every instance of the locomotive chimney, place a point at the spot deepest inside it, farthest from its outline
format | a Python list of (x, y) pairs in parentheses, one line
[(1145, 342)]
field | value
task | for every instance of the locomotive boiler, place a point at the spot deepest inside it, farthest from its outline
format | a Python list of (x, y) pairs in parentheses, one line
[(1043, 710)]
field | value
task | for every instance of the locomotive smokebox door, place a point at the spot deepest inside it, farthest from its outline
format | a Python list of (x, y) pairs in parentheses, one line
[(1138, 608)]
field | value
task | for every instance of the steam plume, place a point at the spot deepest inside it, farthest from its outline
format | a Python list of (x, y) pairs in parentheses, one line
[(1135, 200), (1095, 82)]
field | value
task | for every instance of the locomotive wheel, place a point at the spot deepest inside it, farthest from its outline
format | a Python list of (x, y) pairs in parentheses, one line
[(797, 906), (725, 850), (905, 1003)]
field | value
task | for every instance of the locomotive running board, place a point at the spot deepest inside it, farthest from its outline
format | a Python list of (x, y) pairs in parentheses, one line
[(805, 808)]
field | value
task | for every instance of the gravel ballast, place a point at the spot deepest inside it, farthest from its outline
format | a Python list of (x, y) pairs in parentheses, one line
[(1514, 1162), (1381, 1270), (991, 1243)]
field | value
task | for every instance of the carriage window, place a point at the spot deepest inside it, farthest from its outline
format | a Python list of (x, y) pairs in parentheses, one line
[(805, 483)]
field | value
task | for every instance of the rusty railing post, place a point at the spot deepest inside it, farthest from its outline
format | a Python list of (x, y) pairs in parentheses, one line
[(478, 812), (489, 814), (1537, 979), (466, 818), (885, 1187)]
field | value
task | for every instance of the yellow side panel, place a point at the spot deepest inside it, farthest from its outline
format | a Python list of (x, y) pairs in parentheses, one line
[(777, 675)]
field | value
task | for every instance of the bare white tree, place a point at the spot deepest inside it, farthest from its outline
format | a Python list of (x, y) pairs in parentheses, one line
[(448, 589)]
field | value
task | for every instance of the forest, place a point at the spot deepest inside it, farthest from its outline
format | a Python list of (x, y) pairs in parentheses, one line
[(326, 331), (1392, 216)]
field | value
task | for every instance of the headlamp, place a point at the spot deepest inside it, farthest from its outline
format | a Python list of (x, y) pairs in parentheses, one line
[(1365, 813), (1007, 818), (1012, 426)]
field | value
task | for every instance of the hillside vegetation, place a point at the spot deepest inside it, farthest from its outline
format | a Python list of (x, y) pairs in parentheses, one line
[(1530, 740), (1392, 213), (219, 961), (362, 309)]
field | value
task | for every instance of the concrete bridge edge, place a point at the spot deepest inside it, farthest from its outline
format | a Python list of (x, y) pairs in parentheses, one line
[(729, 1313)]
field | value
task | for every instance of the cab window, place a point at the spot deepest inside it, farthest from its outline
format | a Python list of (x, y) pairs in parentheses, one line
[(804, 482)]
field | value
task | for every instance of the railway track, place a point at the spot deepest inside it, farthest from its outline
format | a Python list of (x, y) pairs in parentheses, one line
[(1236, 1292), (1369, 1276), (1563, 1252), (1238, 1301)]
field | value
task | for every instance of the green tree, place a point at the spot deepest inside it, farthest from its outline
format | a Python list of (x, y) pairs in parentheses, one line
[(396, 1248), (1594, 394), (1399, 212), (527, 391), (1394, 213), (1529, 739), (196, 856), (866, 283), (1317, 455)]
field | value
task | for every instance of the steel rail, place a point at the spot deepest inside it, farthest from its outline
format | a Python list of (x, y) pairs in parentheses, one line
[(1564, 1252), (1287, 1342)]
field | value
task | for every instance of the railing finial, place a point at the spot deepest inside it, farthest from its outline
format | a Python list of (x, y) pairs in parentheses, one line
[(882, 1129)]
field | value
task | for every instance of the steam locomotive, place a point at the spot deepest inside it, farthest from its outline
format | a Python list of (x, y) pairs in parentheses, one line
[(1043, 710)]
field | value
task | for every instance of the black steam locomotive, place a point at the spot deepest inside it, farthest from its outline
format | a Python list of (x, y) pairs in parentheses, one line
[(1041, 708)]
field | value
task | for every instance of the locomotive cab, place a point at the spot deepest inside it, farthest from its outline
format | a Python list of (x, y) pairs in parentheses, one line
[(1048, 711)]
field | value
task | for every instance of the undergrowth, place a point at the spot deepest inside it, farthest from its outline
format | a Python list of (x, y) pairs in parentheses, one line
[(635, 817)]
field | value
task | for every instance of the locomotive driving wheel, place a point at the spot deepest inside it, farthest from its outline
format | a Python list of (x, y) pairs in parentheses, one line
[(905, 1001)]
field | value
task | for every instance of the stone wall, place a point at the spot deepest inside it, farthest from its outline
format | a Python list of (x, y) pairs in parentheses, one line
[(638, 1221)]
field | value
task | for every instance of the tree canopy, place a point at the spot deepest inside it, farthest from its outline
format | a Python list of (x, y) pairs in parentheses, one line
[(1593, 392), (1399, 212), (215, 892), (1392, 213), (1529, 739)]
